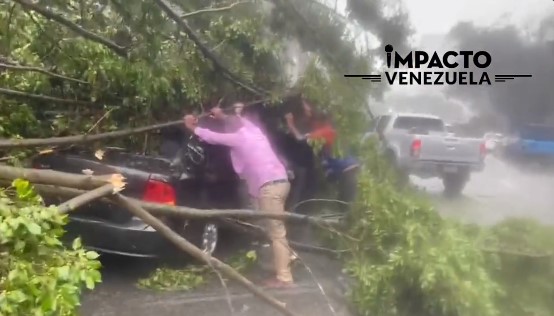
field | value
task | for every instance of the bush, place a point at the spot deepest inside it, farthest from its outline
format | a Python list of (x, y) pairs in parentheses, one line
[(522, 262), (38, 275), (407, 260)]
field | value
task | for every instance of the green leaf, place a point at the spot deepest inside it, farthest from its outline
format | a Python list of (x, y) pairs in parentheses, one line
[(77, 243), (90, 284), (251, 255), (33, 228), (63, 272), (91, 255)]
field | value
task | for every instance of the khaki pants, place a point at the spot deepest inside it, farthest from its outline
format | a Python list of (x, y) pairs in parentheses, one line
[(272, 198)]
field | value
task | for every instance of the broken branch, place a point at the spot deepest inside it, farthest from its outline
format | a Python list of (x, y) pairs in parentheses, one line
[(18, 67), (86, 197), (213, 10), (100, 120), (194, 251), (85, 182), (121, 51), (80, 139), (56, 186), (21, 94)]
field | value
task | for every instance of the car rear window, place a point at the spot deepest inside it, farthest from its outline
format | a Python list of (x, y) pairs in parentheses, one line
[(420, 123)]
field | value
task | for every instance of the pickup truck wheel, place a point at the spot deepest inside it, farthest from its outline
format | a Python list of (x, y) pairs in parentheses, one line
[(454, 184)]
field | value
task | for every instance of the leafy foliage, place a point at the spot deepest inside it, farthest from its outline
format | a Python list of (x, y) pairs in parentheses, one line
[(406, 259), (523, 265), (38, 275), (191, 277)]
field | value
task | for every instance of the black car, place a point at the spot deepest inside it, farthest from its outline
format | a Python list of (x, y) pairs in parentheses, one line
[(188, 172)]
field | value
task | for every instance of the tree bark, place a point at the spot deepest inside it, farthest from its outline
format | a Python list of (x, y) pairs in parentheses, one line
[(86, 197), (36, 176), (213, 10), (59, 189), (18, 67), (192, 250), (40, 97), (79, 139), (121, 51)]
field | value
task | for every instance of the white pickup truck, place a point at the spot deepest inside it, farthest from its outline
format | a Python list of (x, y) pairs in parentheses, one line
[(421, 145)]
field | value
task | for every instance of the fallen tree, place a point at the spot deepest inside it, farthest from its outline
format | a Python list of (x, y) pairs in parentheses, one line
[(50, 182), (80, 139), (106, 187)]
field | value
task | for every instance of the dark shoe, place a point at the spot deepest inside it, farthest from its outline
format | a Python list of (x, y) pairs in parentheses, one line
[(274, 283)]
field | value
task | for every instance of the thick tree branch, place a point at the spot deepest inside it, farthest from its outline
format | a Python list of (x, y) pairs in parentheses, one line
[(239, 226), (79, 139), (87, 197), (213, 10), (50, 186), (18, 67), (121, 51), (208, 54), (192, 250), (39, 176), (21, 94)]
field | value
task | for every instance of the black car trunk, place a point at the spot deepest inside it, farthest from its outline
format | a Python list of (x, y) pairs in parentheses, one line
[(138, 170)]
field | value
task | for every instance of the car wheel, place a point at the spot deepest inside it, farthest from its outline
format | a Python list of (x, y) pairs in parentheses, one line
[(203, 235), (454, 184), (209, 238)]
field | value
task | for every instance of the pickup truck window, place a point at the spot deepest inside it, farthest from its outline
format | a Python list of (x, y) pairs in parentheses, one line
[(420, 123)]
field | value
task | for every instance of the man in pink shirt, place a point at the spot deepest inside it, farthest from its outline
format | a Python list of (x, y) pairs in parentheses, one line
[(255, 162)]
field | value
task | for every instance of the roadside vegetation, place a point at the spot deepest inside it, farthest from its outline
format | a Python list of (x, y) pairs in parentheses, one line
[(137, 63), (38, 275)]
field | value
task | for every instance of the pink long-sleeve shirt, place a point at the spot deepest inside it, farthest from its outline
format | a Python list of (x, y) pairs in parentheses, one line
[(252, 156)]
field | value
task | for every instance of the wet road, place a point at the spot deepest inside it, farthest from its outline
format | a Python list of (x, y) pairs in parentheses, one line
[(118, 295), (500, 191)]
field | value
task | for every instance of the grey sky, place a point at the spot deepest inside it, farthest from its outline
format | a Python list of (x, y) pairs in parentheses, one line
[(431, 20), (439, 16)]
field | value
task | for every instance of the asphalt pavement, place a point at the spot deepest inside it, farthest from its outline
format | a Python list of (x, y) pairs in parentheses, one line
[(500, 191), (319, 291)]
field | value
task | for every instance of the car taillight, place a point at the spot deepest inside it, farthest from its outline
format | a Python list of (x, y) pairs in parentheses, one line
[(159, 192), (416, 147), (483, 149)]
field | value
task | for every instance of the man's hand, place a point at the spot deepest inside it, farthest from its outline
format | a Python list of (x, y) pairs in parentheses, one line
[(289, 118), (217, 112), (238, 107), (190, 121)]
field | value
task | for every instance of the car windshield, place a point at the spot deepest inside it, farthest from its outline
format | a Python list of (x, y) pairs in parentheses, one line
[(420, 123)]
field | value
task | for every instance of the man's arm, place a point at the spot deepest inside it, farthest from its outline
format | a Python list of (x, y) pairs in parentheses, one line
[(292, 127), (227, 139)]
